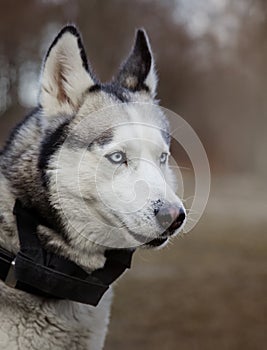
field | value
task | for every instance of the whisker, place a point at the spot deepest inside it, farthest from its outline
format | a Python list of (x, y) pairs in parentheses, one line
[(188, 198), (173, 131), (180, 167)]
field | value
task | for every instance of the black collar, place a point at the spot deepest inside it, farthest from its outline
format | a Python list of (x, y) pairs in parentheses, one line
[(37, 271)]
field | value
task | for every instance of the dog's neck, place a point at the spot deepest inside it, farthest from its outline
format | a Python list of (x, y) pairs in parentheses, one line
[(39, 272), (51, 239)]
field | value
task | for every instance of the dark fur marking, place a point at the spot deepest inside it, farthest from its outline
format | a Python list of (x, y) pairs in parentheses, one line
[(49, 146), (105, 138), (94, 88), (116, 90), (112, 88)]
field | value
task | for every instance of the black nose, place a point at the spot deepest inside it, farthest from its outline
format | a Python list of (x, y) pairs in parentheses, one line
[(170, 217)]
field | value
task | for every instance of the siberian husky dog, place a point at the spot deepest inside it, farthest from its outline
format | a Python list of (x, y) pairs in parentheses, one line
[(92, 161)]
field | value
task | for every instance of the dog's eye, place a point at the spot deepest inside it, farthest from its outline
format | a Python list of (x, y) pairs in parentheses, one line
[(163, 158), (117, 157)]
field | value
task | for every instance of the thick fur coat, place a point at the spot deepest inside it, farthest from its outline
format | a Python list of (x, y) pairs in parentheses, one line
[(88, 152)]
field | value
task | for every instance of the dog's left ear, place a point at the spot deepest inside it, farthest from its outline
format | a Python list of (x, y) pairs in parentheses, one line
[(137, 72), (65, 75)]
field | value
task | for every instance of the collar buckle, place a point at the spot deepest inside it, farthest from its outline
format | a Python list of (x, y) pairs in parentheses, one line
[(11, 280)]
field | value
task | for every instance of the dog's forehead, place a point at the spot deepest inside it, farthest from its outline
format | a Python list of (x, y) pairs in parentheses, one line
[(137, 139), (101, 96), (102, 116), (146, 124), (139, 131)]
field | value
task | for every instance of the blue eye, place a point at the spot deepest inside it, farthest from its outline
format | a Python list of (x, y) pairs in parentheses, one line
[(117, 157), (163, 158)]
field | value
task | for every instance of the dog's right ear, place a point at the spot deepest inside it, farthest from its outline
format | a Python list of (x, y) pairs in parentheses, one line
[(65, 75)]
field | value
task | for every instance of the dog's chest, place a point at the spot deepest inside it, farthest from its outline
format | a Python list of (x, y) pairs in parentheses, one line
[(60, 325)]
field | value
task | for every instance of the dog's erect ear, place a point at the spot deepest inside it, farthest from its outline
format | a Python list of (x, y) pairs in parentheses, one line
[(137, 72), (65, 75)]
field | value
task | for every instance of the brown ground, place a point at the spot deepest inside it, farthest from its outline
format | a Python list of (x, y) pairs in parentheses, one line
[(206, 291)]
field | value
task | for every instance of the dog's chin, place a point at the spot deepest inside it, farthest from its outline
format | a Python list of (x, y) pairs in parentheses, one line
[(156, 243), (162, 241)]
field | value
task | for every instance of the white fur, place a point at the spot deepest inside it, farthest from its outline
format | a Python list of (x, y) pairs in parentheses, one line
[(122, 196), (49, 324)]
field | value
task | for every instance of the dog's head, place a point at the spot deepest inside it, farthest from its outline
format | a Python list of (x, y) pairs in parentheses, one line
[(105, 154)]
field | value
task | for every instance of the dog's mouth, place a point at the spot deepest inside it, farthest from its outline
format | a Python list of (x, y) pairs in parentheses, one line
[(145, 242), (157, 242)]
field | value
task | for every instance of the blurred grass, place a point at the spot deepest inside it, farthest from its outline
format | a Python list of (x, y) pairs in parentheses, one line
[(206, 291)]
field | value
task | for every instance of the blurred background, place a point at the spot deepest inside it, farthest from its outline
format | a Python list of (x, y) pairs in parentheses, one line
[(207, 290)]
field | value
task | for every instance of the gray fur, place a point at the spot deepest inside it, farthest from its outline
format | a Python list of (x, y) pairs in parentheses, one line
[(28, 165)]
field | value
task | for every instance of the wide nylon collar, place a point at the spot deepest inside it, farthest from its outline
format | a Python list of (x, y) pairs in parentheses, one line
[(37, 271)]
